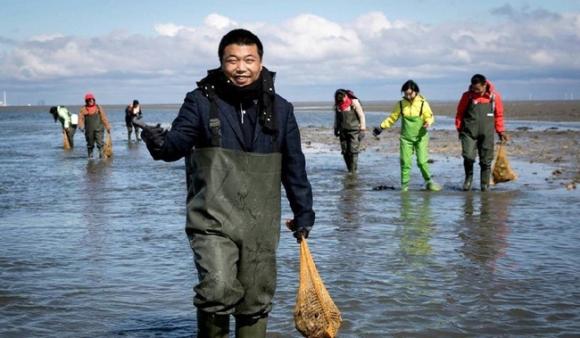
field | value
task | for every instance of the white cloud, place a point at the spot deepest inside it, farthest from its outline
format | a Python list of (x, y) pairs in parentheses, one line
[(218, 22), (542, 57), (46, 37), (168, 29)]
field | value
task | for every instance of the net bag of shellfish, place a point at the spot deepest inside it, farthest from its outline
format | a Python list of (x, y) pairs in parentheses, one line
[(502, 170), (315, 314), (108, 147)]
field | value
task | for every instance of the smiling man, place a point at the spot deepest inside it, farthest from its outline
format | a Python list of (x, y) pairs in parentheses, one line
[(241, 141)]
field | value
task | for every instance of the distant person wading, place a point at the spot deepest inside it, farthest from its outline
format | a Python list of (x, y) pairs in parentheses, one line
[(93, 120), (416, 117), (133, 111), (67, 120), (349, 126), (479, 113)]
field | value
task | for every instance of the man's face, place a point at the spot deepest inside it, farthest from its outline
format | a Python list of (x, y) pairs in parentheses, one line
[(241, 64), (478, 88)]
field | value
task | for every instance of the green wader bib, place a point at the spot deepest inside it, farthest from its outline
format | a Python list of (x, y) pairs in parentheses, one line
[(477, 133), (414, 138), (349, 137), (233, 225), (94, 132)]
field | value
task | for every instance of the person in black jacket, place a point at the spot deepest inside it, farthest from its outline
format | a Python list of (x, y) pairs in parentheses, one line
[(241, 142), (133, 111)]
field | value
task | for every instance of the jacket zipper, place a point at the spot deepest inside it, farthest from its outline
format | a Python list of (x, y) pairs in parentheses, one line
[(242, 111)]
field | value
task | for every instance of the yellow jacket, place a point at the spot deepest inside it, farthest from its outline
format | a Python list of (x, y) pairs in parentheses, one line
[(410, 109)]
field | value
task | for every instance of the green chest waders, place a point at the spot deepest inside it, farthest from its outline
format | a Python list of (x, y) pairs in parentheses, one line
[(233, 224), (477, 134), (94, 132), (414, 139)]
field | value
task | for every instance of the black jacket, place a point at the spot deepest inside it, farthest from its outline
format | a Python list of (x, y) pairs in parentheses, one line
[(191, 130)]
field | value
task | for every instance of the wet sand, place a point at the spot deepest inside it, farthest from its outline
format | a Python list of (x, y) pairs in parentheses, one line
[(555, 147)]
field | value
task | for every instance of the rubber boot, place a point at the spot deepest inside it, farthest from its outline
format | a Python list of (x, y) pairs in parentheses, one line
[(212, 326), (137, 136), (485, 177), (90, 153), (347, 162), (433, 186), (129, 136), (248, 327), (468, 166), (354, 162)]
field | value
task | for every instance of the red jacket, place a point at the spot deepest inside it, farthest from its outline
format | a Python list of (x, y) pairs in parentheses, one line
[(483, 98)]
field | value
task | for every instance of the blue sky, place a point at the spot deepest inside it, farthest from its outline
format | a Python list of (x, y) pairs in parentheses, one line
[(54, 51)]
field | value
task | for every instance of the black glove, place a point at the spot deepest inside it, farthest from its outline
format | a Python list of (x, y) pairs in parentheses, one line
[(377, 131), (299, 232), (361, 135), (154, 137), (503, 137)]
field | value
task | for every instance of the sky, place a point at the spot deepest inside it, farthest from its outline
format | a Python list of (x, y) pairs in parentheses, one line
[(53, 52)]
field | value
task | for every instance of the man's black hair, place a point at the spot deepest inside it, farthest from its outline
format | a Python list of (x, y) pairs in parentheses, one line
[(478, 79), (240, 37), (410, 84), (135, 102)]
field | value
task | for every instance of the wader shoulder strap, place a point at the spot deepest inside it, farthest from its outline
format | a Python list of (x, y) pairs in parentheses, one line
[(401, 107), (214, 117), (492, 102)]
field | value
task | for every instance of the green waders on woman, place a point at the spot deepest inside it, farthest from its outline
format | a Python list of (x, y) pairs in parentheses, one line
[(233, 225), (414, 139), (477, 133), (94, 132)]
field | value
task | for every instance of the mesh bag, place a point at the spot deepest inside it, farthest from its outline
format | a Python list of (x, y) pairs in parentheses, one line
[(502, 171), (65, 142), (108, 148), (315, 314)]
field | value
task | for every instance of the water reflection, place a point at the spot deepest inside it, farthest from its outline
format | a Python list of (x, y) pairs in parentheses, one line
[(94, 215), (417, 226), (349, 202), (485, 227)]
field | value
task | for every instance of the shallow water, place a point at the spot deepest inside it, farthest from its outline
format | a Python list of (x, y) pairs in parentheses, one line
[(98, 249)]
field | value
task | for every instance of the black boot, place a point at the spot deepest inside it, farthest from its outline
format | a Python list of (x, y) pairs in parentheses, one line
[(485, 177), (212, 326), (354, 162), (347, 162), (90, 153), (468, 166), (250, 327), (129, 136)]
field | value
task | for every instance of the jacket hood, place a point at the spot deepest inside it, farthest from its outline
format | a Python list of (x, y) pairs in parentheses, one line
[(490, 87)]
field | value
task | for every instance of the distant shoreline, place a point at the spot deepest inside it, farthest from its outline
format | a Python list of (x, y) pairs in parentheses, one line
[(541, 110)]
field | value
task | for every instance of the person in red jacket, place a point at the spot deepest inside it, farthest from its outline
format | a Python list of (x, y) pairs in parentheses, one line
[(479, 113), (94, 121)]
